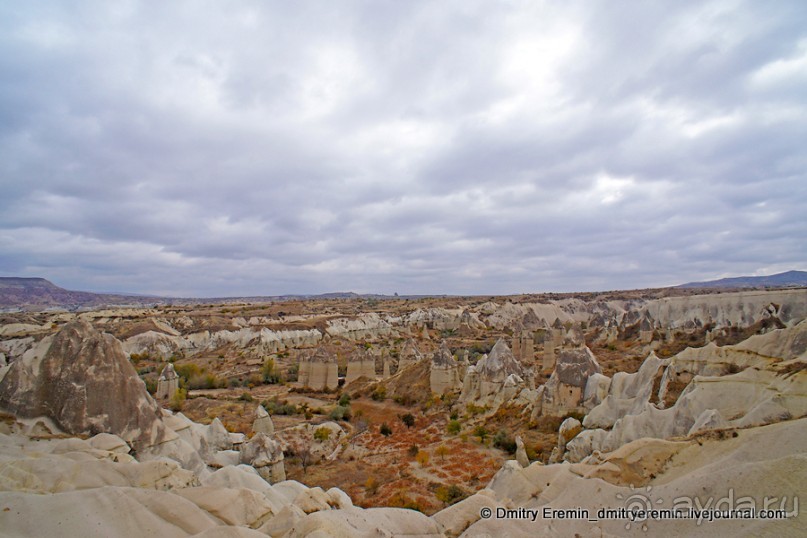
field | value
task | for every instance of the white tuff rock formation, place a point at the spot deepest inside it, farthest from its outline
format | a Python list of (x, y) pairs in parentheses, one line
[(445, 374), (167, 383), (52, 380), (495, 379), (564, 391), (263, 422), (360, 364), (410, 354), (319, 370), (265, 455)]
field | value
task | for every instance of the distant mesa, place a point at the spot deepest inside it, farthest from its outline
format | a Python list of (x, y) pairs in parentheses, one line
[(780, 280), (39, 293), (34, 294)]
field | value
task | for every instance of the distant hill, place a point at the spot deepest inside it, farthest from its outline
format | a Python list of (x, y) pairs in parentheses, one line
[(782, 280), (38, 293)]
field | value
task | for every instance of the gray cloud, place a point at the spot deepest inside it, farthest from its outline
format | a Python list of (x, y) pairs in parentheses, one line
[(223, 149)]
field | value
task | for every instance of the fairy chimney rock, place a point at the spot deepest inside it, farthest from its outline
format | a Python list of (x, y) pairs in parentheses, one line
[(445, 373), (263, 421), (410, 354), (360, 364), (167, 383), (319, 370)]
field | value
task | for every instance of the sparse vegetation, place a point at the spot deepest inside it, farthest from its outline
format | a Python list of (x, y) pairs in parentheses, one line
[(380, 393), (474, 410), (504, 441), (151, 384), (269, 372), (404, 399), (450, 494), (278, 407), (422, 458), (205, 381), (322, 434), (340, 412), (177, 401), (400, 499), (408, 419), (138, 357), (291, 372)]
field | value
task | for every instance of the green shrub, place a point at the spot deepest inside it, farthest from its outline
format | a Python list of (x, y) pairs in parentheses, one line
[(137, 357), (454, 427), (322, 434), (340, 412), (450, 494), (408, 419), (151, 384), (269, 372), (177, 401), (504, 441), (379, 393), (187, 371), (205, 381), (482, 433), (404, 399), (277, 407), (449, 398), (385, 430)]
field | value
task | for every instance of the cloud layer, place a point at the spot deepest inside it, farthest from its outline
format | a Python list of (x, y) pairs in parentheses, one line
[(245, 148)]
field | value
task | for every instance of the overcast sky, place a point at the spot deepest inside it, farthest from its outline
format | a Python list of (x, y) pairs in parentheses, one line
[(193, 148)]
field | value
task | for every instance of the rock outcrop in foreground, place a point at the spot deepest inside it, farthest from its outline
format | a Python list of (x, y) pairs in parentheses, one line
[(81, 379)]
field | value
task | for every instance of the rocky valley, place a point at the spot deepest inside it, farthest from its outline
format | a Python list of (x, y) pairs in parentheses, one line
[(390, 416)]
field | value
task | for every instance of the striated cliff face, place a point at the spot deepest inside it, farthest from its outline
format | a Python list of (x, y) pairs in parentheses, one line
[(365, 326), (263, 340), (729, 309)]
